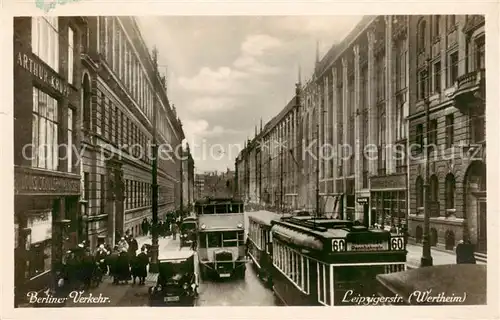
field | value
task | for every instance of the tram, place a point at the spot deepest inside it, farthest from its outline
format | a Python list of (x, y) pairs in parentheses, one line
[(221, 237), (260, 242), (330, 262)]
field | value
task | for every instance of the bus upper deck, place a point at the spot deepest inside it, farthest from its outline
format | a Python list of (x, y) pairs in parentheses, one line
[(218, 206)]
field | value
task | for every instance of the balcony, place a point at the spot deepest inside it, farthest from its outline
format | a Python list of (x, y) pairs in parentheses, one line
[(470, 88)]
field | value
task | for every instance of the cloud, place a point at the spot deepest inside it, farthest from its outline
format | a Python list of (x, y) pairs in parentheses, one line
[(210, 81), (257, 45), (200, 129), (228, 80), (211, 104)]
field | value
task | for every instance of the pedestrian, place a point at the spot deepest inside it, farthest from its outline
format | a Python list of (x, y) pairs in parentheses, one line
[(123, 244), (112, 262), (465, 252), (123, 266), (141, 263), (132, 246)]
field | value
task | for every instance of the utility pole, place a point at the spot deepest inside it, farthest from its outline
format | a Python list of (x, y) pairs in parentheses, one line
[(317, 170), (153, 266), (426, 259), (281, 179), (181, 211)]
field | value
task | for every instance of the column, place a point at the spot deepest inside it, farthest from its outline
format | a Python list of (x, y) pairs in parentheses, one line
[(389, 96), (320, 133), (345, 115), (358, 171), (462, 46), (334, 128), (326, 132), (372, 110)]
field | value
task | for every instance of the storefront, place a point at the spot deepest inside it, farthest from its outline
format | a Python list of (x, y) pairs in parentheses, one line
[(388, 200)]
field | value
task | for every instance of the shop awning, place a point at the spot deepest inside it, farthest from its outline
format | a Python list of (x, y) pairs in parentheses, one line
[(297, 238)]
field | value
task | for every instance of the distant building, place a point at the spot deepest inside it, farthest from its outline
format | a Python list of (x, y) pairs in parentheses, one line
[(188, 179)]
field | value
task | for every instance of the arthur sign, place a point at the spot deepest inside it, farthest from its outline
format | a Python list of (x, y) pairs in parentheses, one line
[(38, 69)]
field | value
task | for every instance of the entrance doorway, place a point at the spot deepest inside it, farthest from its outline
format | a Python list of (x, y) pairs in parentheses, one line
[(481, 226), (366, 215)]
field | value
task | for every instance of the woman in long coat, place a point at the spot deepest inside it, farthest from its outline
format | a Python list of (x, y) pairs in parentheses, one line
[(123, 267), (139, 268)]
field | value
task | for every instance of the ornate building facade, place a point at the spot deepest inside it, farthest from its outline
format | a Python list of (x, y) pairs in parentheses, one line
[(448, 69), (47, 73), (121, 91)]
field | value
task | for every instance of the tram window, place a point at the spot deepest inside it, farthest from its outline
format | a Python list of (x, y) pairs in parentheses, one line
[(203, 240), (230, 239), (305, 274), (214, 239), (324, 279)]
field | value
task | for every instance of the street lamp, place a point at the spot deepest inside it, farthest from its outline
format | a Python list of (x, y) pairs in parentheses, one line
[(426, 260), (153, 266)]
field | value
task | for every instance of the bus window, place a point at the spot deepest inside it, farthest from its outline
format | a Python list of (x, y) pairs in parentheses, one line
[(241, 238), (214, 239), (221, 208), (230, 239), (203, 240), (208, 209)]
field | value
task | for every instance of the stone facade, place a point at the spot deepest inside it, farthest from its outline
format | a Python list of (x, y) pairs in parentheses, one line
[(451, 50)]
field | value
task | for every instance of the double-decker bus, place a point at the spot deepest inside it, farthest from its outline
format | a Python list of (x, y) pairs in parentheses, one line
[(221, 237), (320, 261), (260, 242)]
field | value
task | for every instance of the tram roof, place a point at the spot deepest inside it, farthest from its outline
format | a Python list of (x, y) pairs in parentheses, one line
[(265, 217), (213, 200)]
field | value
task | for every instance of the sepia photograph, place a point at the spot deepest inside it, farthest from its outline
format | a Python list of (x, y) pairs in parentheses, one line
[(195, 161)]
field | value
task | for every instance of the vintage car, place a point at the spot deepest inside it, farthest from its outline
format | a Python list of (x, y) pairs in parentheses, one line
[(177, 283), (188, 229), (453, 284)]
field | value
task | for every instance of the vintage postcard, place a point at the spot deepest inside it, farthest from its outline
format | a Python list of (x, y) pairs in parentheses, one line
[(333, 160)]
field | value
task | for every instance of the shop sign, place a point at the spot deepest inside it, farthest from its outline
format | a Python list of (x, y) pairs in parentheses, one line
[(362, 200), (396, 181), (33, 65), (34, 182)]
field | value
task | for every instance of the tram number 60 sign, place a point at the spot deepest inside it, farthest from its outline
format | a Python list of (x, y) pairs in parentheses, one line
[(338, 245), (397, 244)]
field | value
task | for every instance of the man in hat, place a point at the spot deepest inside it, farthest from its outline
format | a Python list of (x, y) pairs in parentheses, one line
[(123, 244), (139, 269), (112, 262)]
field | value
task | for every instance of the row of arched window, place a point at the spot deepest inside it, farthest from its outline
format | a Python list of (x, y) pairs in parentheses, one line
[(449, 241), (436, 22), (449, 195)]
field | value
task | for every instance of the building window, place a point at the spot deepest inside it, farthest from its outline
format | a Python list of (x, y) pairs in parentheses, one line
[(476, 127), (451, 22), (45, 40), (450, 131), (419, 190), (422, 85), (45, 129), (450, 191), (453, 75), (86, 183), (380, 75), (480, 53), (432, 143), (400, 154), (86, 103), (434, 195), (419, 136), (401, 132), (437, 26), (102, 197), (70, 140), (437, 77), (401, 65), (71, 51), (422, 36)]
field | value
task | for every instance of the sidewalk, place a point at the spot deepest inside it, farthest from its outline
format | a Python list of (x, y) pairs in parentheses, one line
[(438, 257)]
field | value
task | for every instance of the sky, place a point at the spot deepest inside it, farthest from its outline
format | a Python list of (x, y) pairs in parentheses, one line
[(226, 73)]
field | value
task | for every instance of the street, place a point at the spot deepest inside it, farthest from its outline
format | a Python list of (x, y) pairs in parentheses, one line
[(248, 292)]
